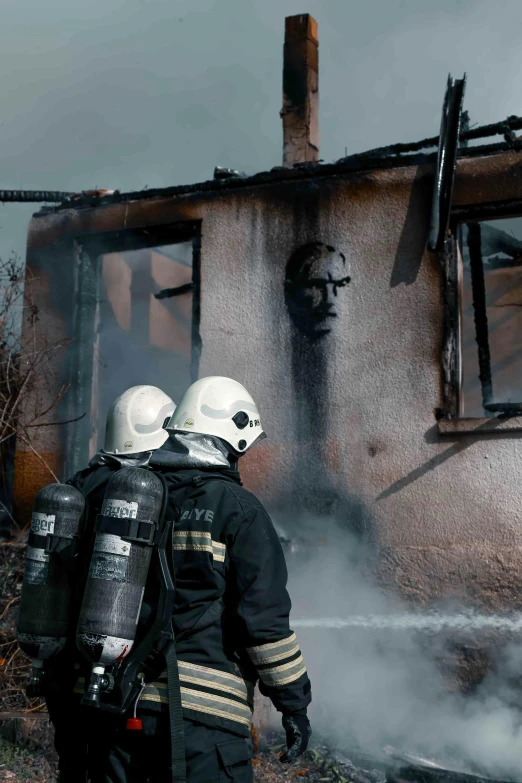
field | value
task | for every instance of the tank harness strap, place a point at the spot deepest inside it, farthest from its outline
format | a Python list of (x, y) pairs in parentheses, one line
[(199, 480), (135, 531), (62, 544)]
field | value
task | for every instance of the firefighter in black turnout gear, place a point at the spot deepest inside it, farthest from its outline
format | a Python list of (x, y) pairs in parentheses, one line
[(231, 611), (134, 429)]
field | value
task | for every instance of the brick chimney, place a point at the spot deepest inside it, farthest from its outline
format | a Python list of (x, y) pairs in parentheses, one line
[(300, 112)]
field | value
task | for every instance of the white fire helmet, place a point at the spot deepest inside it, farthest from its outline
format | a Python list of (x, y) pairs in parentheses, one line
[(136, 421), (220, 407)]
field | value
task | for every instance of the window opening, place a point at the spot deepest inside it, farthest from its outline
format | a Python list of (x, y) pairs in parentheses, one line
[(142, 338), (490, 267), (136, 321)]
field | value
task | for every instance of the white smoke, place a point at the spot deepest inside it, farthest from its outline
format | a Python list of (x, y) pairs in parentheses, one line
[(376, 681)]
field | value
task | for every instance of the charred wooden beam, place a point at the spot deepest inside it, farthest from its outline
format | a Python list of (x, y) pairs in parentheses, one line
[(507, 409), (478, 287), (168, 293), (34, 196), (196, 308), (504, 128), (464, 128), (446, 162), (450, 331)]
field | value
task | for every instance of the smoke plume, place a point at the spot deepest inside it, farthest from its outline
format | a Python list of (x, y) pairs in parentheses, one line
[(377, 680)]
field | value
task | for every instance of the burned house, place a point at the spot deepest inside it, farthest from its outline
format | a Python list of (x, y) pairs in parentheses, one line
[(388, 374)]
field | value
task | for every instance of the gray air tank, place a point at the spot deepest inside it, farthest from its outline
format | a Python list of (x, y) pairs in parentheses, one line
[(126, 530), (46, 605)]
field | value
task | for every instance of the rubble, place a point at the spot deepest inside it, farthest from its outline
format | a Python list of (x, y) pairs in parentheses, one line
[(426, 770), (322, 763), (268, 768), (319, 763), (340, 769)]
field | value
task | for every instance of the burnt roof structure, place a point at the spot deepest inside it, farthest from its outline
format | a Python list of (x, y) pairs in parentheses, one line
[(392, 156)]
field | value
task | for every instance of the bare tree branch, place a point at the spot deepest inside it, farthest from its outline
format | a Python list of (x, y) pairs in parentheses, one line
[(24, 374)]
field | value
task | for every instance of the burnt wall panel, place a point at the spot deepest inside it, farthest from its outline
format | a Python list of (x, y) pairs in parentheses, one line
[(350, 408)]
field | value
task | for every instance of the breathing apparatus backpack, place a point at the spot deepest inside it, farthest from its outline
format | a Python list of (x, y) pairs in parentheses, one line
[(129, 531), (132, 548), (131, 535)]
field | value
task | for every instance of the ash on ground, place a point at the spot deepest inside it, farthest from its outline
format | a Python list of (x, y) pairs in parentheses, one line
[(319, 763)]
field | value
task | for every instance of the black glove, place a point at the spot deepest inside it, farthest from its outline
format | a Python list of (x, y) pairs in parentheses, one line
[(298, 732)]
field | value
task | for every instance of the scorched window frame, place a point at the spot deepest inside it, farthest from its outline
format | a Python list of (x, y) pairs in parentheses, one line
[(88, 250), (451, 420)]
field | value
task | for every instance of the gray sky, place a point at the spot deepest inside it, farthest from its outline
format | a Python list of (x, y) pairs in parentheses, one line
[(133, 93)]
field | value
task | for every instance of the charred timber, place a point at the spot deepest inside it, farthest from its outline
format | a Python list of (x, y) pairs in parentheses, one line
[(478, 286), (167, 293), (34, 196), (504, 128)]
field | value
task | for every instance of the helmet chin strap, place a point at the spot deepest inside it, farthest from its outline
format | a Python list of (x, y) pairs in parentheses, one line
[(234, 456), (233, 462)]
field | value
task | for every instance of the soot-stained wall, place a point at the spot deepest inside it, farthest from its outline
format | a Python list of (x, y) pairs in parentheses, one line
[(349, 402), (320, 297)]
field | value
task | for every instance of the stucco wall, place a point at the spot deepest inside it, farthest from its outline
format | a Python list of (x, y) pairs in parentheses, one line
[(350, 416), (352, 429)]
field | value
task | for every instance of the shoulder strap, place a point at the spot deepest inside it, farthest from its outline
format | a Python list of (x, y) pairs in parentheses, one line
[(177, 737), (201, 479), (194, 481)]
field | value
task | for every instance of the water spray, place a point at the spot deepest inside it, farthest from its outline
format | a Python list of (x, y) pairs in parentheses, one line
[(464, 621)]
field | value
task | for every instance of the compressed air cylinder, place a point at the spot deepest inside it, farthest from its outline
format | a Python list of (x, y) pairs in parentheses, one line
[(46, 605), (119, 567)]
